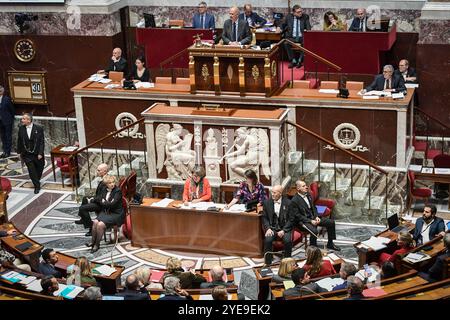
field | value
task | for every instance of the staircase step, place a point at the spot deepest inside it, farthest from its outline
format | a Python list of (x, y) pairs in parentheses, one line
[(359, 196), (376, 203), (326, 176), (343, 184)]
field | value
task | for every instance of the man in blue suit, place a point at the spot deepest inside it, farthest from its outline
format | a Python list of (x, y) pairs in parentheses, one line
[(202, 19), (359, 23), (252, 18), (428, 226), (388, 81), (7, 113)]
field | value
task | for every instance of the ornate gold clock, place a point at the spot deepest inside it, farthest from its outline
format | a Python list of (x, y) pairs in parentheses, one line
[(24, 50)]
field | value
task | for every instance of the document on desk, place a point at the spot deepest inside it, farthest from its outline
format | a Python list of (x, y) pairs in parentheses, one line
[(235, 208), (333, 91), (330, 283), (376, 243), (415, 167), (414, 257), (371, 97), (411, 85), (288, 284), (35, 286), (373, 275), (333, 256), (144, 85), (105, 270), (12, 276), (69, 149), (162, 203), (441, 171), (68, 292), (427, 170)]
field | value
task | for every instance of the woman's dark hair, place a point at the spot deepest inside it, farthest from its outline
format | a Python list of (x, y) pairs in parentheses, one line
[(327, 19), (141, 59), (250, 174), (388, 270)]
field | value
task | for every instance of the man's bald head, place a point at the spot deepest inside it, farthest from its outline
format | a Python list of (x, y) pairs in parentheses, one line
[(117, 53), (277, 192), (234, 13), (301, 186), (216, 273), (102, 169)]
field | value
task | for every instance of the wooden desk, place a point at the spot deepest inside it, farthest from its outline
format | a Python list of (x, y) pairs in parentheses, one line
[(31, 255), (196, 230), (368, 255), (158, 87), (109, 284), (438, 248), (67, 157), (432, 291), (264, 283), (194, 293), (441, 178), (268, 36)]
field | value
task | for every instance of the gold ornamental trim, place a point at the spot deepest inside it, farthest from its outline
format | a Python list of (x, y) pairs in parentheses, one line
[(255, 72), (205, 72)]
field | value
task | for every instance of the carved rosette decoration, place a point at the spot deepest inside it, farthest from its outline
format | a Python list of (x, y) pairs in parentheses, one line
[(255, 72), (205, 72)]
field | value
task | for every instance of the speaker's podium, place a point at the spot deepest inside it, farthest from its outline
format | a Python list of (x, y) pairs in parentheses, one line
[(224, 70)]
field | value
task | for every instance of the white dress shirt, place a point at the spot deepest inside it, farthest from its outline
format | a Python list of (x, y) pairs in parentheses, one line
[(306, 199), (426, 231), (29, 129), (277, 207)]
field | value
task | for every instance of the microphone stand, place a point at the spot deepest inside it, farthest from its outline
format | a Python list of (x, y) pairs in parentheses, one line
[(270, 252)]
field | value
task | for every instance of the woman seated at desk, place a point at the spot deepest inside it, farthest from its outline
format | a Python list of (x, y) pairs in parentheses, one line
[(315, 265), (197, 187), (81, 272), (140, 73), (404, 244), (332, 23), (287, 265), (249, 190)]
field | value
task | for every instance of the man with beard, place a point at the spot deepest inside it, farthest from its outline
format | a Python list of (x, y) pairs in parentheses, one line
[(428, 226)]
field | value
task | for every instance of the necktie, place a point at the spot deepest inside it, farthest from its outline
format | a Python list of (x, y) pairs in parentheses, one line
[(234, 37), (388, 85), (360, 25), (297, 33), (202, 21)]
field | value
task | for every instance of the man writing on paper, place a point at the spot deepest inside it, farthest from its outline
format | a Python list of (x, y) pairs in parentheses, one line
[(235, 31), (388, 81)]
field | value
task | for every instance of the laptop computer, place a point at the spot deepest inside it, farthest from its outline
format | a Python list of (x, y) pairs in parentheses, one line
[(394, 224)]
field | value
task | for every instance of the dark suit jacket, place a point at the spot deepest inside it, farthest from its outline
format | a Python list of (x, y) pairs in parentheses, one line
[(114, 203), (207, 285), (355, 24), (3, 233), (288, 25), (269, 215), (120, 66), (210, 22), (298, 210), (33, 145), (49, 270), (436, 227), (303, 290), (244, 34), (100, 188), (134, 295), (7, 111), (378, 83), (437, 269), (411, 72), (256, 19)]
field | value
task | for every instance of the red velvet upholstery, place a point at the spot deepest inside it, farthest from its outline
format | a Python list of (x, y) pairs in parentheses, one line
[(442, 161), (126, 228), (62, 164), (419, 145), (329, 203), (6, 185), (131, 185), (419, 193), (297, 237), (422, 192), (432, 153)]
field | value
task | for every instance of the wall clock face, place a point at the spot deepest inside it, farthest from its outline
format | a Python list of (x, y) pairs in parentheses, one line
[(24, 50)]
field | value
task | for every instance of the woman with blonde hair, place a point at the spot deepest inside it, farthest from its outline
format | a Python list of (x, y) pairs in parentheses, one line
[(315, 265), (188, 279), (405, 243), (287, 265), (332, 23), (111, 214), (82, 268)]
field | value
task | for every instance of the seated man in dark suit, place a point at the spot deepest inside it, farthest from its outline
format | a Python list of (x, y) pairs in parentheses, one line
[(88, 205), (217, 274), (387, 81), (49, 285), (236, 32), (173, 290), (252, 18), (428, 226), (293, 28), (116, 63), (408, 73), (47, 267), (304, 215), (203, 19), (276, 223), (355, 288), (347, 270), (359, 23), (303, 286), (133, 290)]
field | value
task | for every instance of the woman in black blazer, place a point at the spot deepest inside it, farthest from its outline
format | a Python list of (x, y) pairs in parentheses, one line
[(111, 214), (140, 72)]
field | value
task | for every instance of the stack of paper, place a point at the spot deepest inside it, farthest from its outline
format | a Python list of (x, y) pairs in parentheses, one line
[(105, 270), (416, 257), (288, 284), (162, 203), (329, 283), (68, 292), (112, 86), (376, 243), (235, 208), (411, 85), (441, 171), (333, 91), (97, 77), (427, 170), (144, 85), (69, 149), (12, 276), (35, 286), (415, 167)]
